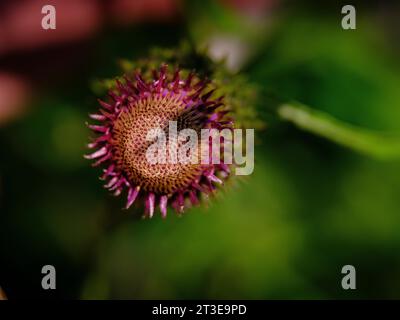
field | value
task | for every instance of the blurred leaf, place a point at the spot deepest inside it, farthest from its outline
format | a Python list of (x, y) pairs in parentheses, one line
[(322, 124)]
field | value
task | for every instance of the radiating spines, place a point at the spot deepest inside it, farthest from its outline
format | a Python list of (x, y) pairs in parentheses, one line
[(203, 111)]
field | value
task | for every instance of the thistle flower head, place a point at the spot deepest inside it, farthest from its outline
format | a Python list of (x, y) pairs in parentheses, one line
[(139, 104)]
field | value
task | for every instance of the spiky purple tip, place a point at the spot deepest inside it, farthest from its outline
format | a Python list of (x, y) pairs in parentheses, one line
[(134, 107)]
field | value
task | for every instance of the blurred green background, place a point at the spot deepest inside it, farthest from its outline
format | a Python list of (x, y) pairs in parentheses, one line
[(309, 208)]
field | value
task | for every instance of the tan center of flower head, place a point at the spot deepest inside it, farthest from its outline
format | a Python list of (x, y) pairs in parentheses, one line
[(130, 134)]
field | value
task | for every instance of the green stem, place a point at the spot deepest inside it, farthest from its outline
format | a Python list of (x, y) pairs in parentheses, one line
[(375, 144)]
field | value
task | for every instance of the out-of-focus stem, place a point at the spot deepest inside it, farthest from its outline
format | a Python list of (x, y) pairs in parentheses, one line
[(365, 141)]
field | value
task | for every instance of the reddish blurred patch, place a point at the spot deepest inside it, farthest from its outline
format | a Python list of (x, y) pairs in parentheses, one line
[(2, 295), (14, 94)]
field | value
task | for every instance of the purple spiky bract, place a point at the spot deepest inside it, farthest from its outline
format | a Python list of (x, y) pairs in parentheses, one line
[(133, 108)]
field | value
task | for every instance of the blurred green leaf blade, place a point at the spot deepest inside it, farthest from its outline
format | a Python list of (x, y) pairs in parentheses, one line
[(368, 142)]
